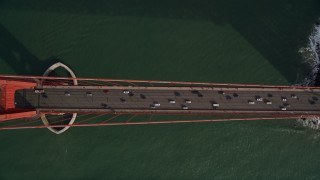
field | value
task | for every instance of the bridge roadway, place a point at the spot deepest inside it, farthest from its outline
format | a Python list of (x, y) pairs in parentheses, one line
[(111, 99)]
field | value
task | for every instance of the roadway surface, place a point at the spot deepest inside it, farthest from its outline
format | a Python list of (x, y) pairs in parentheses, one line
[(111, 99)]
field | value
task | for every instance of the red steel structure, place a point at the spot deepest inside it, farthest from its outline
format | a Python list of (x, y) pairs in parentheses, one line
[(7, 89), (55, 102)]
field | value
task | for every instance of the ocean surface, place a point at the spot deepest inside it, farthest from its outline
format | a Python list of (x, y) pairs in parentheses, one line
[(246, 41)]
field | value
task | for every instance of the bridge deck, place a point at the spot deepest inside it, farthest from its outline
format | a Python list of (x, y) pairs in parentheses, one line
[(111, 99)]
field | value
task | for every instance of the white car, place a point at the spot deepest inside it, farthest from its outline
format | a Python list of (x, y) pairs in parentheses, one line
[(39, 91), (89, 94), (283, 109), (126, 91), (152, 106), (67, 93), (172, 101), (294, 96), (185, 107), (251, 102), (188, 101), (259, 99), (156, 104), (268, 102), (215, 105)]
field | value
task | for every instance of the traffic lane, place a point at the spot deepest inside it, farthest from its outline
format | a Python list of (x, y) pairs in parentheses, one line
[(204, 102), (296, 114), (80, 99), (142, 99)]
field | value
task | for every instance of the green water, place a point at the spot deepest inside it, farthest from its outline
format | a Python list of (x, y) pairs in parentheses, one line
[(227, 41)]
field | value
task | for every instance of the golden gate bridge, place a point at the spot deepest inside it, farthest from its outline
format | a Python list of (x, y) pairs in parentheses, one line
[(58, 103)]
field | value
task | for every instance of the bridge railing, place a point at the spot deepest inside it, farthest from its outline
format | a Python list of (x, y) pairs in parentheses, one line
[(68, 81)]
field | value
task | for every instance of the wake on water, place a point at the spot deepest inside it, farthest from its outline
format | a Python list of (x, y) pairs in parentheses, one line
[(311, 55)]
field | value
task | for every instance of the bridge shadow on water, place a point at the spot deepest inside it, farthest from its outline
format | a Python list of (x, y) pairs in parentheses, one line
[(274, 28), (19, 58)]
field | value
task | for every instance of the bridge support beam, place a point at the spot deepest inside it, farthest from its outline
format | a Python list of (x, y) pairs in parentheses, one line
[(8, 110)]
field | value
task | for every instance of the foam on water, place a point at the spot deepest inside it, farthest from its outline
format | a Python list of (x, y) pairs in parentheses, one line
[(311, 55)]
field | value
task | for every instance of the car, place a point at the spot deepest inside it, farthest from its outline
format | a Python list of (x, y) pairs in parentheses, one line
[(221, 92), (89, 94), (39, 91), (293, 96), (251, 102), (156, 104), (286, 105), (177, 93), (171, 101), (152, 106), (215, 105), (185, 107), (123, 100), (259, 99), (268, 102), (126, 91), (187, 101), (311, 101), (200, 95), (67, 93), (142, 96), (284, 99), (195, 92), (283, 108), (228, 97)]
